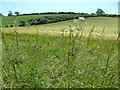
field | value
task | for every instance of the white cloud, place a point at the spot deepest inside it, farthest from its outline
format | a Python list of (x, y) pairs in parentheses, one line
[(59, 0)]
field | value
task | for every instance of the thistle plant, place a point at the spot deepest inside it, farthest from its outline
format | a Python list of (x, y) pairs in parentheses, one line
[(62, 35), (80, 26), (110, 52), (15, 30), (103, 33), (90, 34), (37, 36), (1, 79), (3, 39), (118, 37), (15, 72)]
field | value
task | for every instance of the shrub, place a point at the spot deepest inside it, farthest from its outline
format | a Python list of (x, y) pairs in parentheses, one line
[(22, 23), (32, 22), (43, 21), (6, 26), (11, 25)]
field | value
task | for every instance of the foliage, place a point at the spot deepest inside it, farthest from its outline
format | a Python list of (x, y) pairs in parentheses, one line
[(11, 25), (51, 19), (17, 13), (1, 15), (30, 14), (10, 13), (111, 15), (22, 23), (6, 26), (100, 12)]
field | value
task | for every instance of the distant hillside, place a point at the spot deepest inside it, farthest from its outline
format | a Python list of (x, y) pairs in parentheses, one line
[(9, 20)]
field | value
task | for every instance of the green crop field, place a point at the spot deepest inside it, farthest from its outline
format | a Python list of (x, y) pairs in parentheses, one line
[(68, 54)]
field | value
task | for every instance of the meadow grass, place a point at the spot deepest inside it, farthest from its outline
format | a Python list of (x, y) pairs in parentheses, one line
[(74, 58), (0, 54), (50, 63)]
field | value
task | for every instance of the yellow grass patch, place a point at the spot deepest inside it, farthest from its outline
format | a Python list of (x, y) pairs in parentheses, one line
[(58, 33)]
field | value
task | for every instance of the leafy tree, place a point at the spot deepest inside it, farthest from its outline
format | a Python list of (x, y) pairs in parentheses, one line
[(17, 13), (100, 12), (32, 21), (92, 13), (1, 15), (10, 13)]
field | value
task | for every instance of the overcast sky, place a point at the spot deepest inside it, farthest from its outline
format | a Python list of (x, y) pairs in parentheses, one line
[(38, 6)]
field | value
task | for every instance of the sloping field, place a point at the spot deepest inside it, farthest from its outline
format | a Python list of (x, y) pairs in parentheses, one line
[(9, 20), (106, 25)]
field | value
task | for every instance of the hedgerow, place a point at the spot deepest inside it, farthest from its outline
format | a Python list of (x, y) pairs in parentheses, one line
[(51, 19)]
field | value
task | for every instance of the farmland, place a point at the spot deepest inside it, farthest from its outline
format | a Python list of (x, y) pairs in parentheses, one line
[(10, 19), (98, 22), (68, 54), (7, 21)]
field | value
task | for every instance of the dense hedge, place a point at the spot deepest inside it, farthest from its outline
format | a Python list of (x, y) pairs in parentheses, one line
[(51, 19), (85, 14), (49, 13)]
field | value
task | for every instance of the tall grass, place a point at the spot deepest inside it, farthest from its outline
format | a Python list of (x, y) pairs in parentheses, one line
[(44, 61), (1, 80)]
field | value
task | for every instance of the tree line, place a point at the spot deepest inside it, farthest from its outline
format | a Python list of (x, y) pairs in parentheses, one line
[(58, 18), (99, 12), (46, 20)]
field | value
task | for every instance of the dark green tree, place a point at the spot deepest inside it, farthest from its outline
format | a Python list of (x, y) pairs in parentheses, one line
[(92, 13), (17, 13), (10, 13), (100, 12), (1, 15)]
